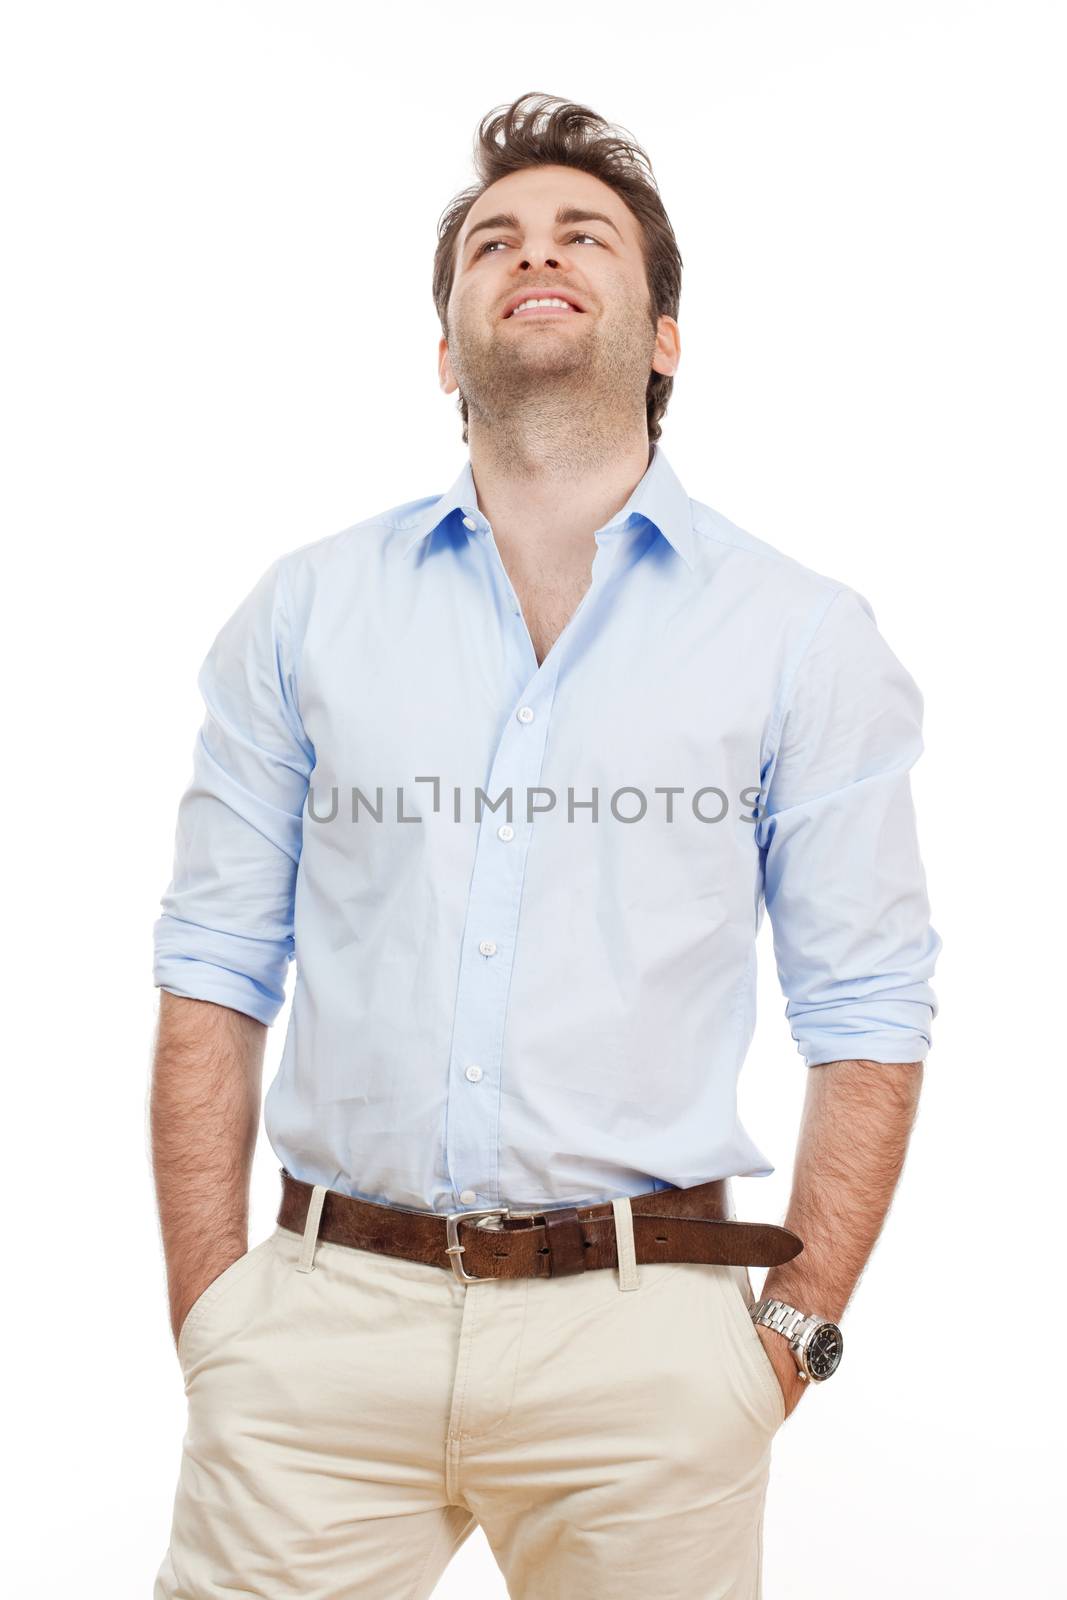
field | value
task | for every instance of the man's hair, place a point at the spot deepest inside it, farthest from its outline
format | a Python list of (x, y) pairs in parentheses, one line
[(541, 130)]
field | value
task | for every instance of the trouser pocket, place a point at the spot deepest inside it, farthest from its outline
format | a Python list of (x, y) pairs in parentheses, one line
[(202, 1320), (737, 1291)]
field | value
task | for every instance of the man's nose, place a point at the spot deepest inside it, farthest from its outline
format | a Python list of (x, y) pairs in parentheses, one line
[(549, 262)]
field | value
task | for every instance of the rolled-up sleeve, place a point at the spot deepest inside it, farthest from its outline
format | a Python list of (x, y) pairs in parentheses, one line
[(226, 933), (843, 881)]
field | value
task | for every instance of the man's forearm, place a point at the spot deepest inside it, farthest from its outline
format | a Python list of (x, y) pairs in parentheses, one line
[(854, 1134), (204, 1118)]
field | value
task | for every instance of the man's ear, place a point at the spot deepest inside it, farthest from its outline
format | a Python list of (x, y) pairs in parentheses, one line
[(668, 352), (445, 374)]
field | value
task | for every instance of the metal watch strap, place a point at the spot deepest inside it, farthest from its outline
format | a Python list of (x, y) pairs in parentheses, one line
[(782, 1318)]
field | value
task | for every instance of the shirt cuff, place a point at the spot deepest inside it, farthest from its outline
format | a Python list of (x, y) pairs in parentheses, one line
[(883, 1047)]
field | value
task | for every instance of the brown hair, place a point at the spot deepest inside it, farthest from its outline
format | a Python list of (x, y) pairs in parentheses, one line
[(541, 130)]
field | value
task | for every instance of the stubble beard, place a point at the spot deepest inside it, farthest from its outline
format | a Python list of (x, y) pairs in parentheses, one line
[(567, 395)]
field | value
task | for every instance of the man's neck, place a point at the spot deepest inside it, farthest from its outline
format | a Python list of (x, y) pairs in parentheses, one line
[(548, 489)]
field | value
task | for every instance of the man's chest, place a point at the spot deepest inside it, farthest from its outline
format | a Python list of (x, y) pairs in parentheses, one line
[(548, 604), (646, 690)]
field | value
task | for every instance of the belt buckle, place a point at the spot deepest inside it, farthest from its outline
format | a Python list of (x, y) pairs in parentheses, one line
[(453, 1249)]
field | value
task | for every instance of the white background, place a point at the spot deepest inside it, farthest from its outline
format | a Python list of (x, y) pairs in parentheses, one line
[(220, 343)]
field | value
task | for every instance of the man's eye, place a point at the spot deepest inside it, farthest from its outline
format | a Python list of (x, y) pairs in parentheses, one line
[(481, 251)]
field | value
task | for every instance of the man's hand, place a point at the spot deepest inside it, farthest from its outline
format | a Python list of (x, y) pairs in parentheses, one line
[(782, 1360), (187, 1289), (178, 1315)]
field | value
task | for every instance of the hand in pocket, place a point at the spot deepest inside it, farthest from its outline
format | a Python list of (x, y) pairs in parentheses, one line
[(183, 1305)]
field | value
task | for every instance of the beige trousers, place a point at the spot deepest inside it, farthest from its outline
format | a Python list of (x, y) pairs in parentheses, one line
[(352, 1418)]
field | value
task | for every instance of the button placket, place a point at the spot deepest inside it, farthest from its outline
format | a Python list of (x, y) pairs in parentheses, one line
[(472, 1125), (473, 1112)]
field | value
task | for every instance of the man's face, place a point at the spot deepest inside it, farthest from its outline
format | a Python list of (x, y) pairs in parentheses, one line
[(543, 232)]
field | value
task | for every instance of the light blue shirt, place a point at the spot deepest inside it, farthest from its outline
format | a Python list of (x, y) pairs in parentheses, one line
[(544, 1005)]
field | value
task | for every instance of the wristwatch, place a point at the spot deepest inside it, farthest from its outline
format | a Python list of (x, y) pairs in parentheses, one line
[(816, 1343)]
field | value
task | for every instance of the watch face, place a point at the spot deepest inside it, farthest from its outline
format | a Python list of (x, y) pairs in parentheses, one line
[(823, 1352)]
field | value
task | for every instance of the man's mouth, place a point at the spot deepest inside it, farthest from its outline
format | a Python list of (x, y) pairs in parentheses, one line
[(544, 306)]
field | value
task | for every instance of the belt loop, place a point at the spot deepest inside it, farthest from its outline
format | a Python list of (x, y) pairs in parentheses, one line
[(311, 1229), (624, 1242)]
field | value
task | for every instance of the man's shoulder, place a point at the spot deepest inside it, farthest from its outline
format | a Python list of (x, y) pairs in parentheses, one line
[(725, 543), (355, 541), (336, 569), (787, 604)]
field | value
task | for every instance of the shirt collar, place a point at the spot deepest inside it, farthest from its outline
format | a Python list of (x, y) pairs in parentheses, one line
[(659, 497)]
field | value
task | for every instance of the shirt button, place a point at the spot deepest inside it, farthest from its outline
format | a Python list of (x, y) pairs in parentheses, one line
[(468, 1197), (472, 1073), (525, 713), (469, 522), (505, 832), (487, 947)]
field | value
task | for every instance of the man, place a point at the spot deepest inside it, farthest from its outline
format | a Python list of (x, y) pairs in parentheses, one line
[(513, 772)]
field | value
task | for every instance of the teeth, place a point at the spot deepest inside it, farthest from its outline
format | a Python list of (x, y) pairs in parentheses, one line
[(553, 302)]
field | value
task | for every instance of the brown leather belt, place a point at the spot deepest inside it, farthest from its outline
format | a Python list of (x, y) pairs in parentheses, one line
[(694, 1224)]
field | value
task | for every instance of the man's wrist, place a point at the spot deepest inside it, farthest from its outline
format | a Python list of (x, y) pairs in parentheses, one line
[(813, 1342), (795, 1291)]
